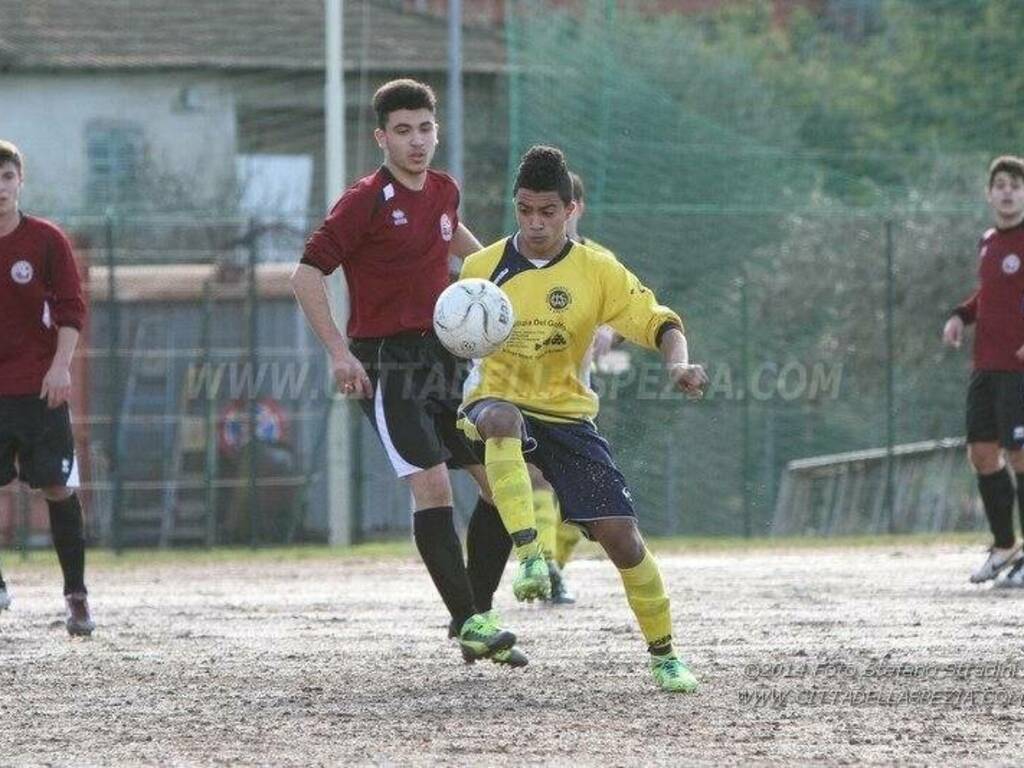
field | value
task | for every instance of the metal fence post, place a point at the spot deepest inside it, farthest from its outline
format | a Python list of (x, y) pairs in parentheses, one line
[(253, 333), (745, 402), (890, 384), (209, 418), (115, 390)]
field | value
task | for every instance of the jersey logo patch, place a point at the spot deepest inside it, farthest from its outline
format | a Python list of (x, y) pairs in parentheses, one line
[(559, 299), (446, 228), (552, 343), (398, 217), (22, 272), (1011, 264), (389, 192)]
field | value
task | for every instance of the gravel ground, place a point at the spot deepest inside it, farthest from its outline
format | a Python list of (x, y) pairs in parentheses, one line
[(813, 657)]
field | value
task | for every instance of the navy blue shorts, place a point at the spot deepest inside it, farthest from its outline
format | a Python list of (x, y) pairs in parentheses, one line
[(577, 462)]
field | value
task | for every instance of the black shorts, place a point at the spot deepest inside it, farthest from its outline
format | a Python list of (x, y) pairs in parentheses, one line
[(578, 463), (36, 443), (995, 408), (417, 388)]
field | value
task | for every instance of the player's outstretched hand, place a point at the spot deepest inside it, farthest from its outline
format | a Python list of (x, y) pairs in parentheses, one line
[(350, 376), (953, 332), (690, 379), (56, 387)]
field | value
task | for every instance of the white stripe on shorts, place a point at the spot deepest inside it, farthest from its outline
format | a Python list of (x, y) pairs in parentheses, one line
[(402, 467)]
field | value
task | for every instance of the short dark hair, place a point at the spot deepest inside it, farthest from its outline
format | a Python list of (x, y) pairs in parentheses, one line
[(402, 94), (9, 153), (1010, 164), (578, 190), (543, 169)]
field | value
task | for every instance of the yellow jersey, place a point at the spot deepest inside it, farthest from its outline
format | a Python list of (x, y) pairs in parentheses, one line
[(558, 306)]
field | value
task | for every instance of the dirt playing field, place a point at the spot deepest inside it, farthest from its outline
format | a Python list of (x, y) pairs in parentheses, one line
[(859, 656)]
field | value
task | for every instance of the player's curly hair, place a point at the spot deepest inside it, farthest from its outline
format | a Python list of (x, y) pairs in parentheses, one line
[(404, 93), (1010, 164), (543, 169)]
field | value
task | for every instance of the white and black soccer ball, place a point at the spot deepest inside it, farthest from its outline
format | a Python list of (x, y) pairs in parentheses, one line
[(473, 318)]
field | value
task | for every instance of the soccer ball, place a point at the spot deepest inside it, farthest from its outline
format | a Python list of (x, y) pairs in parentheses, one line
[(473, 318)]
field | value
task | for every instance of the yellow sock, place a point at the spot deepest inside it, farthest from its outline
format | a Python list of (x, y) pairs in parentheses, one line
[(567, 536), (512, 492), (645, 592), (547, 520)]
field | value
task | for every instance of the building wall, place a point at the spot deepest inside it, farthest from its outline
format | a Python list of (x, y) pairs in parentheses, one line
[(187, 121)]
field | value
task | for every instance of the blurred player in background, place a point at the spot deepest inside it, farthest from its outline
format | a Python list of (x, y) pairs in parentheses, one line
[(558, 538), (995, 395), (393, 234), (528, 401), (41, 315)]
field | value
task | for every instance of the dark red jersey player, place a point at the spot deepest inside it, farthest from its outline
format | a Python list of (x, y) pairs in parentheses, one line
[(41, 314), (392, 233), (995, 396)]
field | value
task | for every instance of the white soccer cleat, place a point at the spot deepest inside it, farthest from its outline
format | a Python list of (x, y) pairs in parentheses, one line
[(995, 562), (1014, 579)]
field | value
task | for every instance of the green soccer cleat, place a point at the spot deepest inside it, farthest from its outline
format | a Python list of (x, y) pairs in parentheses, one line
[(532, 581), (481, 637), (672, 675)]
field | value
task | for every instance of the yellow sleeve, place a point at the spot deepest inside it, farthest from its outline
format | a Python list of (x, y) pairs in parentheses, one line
[(470, 266), (631, 308), (482, 263)]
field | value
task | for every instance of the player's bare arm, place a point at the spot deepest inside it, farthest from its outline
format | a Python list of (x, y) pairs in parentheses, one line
[(688, 378), (349, 374), (464, 242), (56, 389)]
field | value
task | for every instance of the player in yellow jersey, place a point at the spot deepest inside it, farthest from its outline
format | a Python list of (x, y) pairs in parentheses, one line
[(529, 397)]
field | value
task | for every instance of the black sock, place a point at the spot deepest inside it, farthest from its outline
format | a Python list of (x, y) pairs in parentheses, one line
[(68, 532), (441, 551), (1020, 501), (997, 495), (488, 545)]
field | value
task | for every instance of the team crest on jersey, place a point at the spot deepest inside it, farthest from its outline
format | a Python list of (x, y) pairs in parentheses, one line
[(1011, 264), (22, 272), (399, 218), (559, 299), (446, 228)]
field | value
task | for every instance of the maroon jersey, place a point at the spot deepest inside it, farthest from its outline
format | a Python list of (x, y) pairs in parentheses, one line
[(40, 291), (393, 244), (997, 306)]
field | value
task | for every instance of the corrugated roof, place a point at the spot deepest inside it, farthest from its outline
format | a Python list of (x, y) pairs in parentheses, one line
[(227, 34)]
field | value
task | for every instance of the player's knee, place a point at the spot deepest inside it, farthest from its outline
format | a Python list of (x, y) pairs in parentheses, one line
[(620, 539), (56, 493), (431, 488), (1016, 461), (500, 420), (985, 457)]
